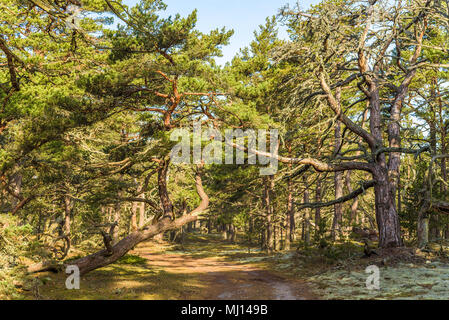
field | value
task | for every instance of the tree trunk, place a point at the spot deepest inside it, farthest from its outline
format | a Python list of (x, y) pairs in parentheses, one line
[(306, 225), (353, 218), (386, 214), (142, 219), (224, 233), (68, 207), (318, 231), (134, 208), (233, 233), (293, 225), (167, 205), (209, 225), (276, 238), (423, 225), (338, 183), (17, 189), (117, 211), (269, 212), (288, 216)]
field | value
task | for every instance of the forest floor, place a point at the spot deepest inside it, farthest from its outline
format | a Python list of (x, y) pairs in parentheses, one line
[(206, 267)]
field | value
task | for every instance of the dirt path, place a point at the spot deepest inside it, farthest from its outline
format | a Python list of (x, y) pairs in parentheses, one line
[(229, 280)]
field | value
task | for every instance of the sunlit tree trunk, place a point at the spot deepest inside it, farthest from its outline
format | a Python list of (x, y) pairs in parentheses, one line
[(268, 185), (353, 218), (306, 225), (290, 212)]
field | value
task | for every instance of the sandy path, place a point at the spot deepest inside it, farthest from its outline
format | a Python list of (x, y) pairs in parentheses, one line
[(229, 280)]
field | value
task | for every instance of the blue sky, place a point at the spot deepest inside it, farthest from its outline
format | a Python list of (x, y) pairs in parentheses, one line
[(244, 16)]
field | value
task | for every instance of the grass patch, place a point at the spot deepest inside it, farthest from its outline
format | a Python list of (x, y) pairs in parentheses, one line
[(131, 259)]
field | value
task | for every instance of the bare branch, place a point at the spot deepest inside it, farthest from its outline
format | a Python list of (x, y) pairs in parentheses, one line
[(352, 195)]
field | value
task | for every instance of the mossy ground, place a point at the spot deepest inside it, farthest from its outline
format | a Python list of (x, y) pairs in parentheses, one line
[(138, 277), (339, 271), (403, 281), (206, 267), (129, 278)]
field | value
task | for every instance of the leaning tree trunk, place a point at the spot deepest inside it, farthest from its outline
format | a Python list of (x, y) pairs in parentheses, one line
[(107, 256)]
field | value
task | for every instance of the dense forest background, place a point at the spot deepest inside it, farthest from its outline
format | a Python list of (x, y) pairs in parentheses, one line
[(358, 93)]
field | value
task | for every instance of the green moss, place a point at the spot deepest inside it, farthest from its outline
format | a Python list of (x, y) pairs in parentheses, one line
[(131, 259), (399, 282)]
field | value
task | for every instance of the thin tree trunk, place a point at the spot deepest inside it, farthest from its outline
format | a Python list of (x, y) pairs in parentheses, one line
[(233, 233), (167, 205), (434, 231), (269, 213), (274, 237), (142, 219), (290, 213), (317, 229), (17, 188), (306, 225), (338, 182), (353, 218), (68, 208), (423, 225), (117, 216), (134, 208)]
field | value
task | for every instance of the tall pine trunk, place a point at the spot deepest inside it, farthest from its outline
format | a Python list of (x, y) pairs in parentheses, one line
[(386, 213)]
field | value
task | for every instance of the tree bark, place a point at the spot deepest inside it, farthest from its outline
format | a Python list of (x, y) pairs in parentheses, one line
[(117, 216), (17, 189), (167, 205), (386, 214), (338, 181), (306, 224), (290, 213), (423, 225), (134, 208), (355, 204), (318, 231), (68, 209), (268, 182)]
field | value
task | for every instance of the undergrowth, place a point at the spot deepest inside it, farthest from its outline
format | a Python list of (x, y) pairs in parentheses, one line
[(16, 248)]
